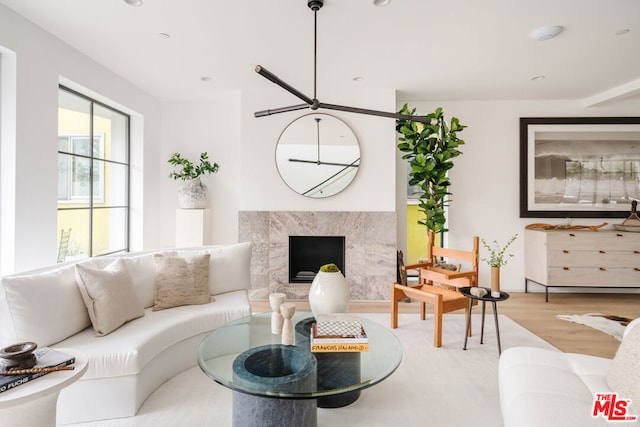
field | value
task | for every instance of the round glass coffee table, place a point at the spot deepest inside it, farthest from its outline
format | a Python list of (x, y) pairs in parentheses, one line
[(273, 383)]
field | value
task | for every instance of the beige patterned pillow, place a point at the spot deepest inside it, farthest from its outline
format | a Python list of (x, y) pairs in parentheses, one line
[(181, 281), (109, 295), (623, 375)]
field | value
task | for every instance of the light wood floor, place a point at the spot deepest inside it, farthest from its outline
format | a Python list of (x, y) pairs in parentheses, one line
[(532, 312)]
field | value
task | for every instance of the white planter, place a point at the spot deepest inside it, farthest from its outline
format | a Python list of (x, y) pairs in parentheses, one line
[(329, 293), (192, 194)]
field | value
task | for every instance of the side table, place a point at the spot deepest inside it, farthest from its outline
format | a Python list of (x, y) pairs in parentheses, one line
[(34, 403), (466, 291)]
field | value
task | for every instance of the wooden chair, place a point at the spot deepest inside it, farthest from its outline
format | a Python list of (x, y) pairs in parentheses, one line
[(429, 289)]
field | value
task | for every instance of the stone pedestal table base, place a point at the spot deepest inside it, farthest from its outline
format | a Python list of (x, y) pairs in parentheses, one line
[(276, 369)]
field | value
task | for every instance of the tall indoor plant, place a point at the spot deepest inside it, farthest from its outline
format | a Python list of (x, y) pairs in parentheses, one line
[(193, 193), (430, 149)]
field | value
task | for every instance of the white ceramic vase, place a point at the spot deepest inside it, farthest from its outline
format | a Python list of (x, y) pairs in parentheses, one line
[(329, 293), (192, 194), (287, 309), (276, 300)]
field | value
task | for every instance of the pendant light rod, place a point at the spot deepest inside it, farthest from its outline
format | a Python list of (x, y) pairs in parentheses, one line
[(357, 110), (265, 113), (286, 86), (314, 104), (315, 53), (397, 116)]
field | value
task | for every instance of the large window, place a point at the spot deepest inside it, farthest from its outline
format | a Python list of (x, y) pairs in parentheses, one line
[(93, 177), (73, 171)]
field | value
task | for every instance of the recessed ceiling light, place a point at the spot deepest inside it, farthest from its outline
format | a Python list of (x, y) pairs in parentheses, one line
[(133, 2), (545, 33), (358, 79), (537, 78), (206, 78), (622, 32), (381, 2), (164, 36)]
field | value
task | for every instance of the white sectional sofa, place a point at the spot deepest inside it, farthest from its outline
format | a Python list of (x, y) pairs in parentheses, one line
[(550, 388), (127, 364)]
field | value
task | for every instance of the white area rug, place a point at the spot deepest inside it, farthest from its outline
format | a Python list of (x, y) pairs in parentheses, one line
[(444, 386), (596, 321)]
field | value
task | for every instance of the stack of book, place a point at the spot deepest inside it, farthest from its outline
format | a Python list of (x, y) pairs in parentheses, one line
[(338, 333), (47, 360)]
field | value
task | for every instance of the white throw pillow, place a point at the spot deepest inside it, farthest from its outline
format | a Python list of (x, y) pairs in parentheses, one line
[(623, 375), (109, 295), (230, 267), (46, 308), (142, 269), (181, 281)]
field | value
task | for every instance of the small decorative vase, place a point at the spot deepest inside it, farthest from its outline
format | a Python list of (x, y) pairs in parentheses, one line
[(18, 356), (329, 293), (192, 194), (275, 300), (287, 309), (495, 282)]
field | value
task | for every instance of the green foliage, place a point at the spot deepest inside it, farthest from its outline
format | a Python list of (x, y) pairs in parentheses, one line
[(497, 256), (430, 148), (187, 170), (329, 268)]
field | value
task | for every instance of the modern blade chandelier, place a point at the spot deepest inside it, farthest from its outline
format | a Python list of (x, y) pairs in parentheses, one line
[(314, 103)]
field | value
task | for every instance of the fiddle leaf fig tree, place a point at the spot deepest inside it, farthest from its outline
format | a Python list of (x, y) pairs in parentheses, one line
[(430, 149)]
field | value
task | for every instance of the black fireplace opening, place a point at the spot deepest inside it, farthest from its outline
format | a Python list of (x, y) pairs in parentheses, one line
[(308, 253)]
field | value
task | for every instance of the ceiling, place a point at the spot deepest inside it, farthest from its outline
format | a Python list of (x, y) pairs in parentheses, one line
[(424, 49)]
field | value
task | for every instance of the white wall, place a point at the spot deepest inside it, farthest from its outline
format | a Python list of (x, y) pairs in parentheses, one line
[(244, 146), (7, 158), (485, 179), (373, 188), (41, 62), (190, 129)]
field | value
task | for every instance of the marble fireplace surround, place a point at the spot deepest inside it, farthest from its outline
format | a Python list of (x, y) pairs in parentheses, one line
[(370, 250)]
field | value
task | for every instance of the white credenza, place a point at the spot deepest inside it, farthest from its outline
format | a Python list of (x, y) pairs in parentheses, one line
[(582, 258)]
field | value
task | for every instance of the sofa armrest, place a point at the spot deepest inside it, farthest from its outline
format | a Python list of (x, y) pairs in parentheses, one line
[(630, 326)]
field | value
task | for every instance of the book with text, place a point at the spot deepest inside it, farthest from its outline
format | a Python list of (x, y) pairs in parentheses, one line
[(45, 358), (338, 343), (339, 348)]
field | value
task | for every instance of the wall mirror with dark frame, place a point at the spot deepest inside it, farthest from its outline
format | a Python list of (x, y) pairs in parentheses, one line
[(317, 155)]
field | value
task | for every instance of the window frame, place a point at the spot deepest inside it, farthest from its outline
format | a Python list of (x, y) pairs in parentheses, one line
[(75, 199), (90, 201)]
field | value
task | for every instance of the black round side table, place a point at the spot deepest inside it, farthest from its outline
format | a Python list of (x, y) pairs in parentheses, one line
[(466, 291)]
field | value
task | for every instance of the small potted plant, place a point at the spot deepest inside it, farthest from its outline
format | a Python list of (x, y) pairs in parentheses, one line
[(497, 258), (193, 193)]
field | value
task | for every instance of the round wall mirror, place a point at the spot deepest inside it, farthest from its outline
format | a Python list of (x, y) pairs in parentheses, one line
[(317, 155)]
